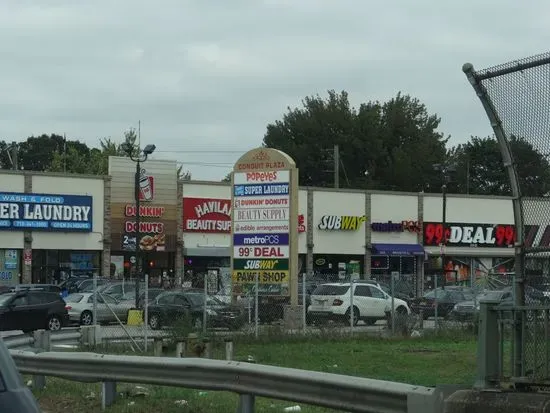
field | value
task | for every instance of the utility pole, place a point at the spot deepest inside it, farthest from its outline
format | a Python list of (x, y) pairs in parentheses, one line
[(14, 160), (336, 166)]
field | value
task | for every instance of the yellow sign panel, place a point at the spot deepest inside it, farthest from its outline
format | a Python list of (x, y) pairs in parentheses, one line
[(264, 277)]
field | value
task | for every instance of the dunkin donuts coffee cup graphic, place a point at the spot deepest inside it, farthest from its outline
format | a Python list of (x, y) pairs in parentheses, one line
[(146, 187)]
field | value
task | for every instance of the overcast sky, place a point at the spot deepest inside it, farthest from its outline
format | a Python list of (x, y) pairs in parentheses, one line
[(206, 76)]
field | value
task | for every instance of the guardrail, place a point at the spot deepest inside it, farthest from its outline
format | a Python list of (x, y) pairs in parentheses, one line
[(43, 339), (352, 394)]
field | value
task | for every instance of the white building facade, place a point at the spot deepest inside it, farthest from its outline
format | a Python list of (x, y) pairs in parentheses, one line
[(52, 226), (365, 234)]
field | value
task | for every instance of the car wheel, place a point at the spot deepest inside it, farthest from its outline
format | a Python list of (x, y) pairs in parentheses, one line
[(401, 310), (154, 321), (356, 315), (86, 318), (54, 323)]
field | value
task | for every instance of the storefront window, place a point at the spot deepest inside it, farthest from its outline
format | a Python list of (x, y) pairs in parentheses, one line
[(52, 267)]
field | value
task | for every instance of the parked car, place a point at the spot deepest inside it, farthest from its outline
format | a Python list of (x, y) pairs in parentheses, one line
[(15, 395), (37, 287), (467, 310), (87, 285), (370, 303), (171, 306), (30, 310), (70, 285), (130, 296), (446, 298), (81, 305)]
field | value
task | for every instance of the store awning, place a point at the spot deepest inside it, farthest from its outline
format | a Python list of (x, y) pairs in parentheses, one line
[(397, 249)]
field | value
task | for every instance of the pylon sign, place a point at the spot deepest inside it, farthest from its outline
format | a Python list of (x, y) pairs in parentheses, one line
[(264, 224)]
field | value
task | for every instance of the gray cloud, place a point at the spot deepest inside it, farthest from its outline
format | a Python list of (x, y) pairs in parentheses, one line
[(209, 76)]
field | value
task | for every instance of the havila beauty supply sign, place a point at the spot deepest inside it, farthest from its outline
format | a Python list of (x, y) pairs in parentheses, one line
[(45, 212), (208, 215)]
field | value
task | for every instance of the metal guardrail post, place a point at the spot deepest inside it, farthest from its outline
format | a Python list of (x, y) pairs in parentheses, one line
[(247, 401), (42, 340), (488, 373), (229, 349), (207, 348), (157, 347), (108, 394), (181, 348)]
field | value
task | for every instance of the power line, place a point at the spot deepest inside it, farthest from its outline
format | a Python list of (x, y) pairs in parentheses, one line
[(205, 151)]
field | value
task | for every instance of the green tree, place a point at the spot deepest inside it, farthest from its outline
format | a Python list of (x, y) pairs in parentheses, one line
[(480, 170), (227, 178), (390, 145)]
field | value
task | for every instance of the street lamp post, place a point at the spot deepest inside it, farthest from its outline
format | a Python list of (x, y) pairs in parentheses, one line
[(445, 172), (138, 156)]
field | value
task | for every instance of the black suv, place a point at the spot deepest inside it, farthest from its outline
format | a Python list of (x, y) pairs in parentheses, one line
[(15, 397), (30, 310)]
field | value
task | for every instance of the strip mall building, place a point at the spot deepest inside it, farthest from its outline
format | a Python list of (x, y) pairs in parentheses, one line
[(185, 229)]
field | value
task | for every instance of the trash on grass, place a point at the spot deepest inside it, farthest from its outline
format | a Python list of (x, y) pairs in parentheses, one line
[(90, 396), (292, 409), (181, 403)]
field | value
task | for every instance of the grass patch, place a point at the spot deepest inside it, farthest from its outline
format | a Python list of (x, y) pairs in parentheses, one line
[(423, 361)]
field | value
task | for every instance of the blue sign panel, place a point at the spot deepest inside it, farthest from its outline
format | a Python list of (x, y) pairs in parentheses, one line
[(45, 212), (260, 239), (258, 190)]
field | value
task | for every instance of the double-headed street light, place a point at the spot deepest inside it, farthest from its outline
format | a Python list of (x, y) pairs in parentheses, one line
[(445, 170), (138, 156)]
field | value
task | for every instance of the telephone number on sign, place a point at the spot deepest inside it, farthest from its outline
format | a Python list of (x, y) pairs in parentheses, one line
[(280, 251)]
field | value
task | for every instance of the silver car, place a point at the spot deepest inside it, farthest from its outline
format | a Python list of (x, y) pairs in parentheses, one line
[(81, 306)]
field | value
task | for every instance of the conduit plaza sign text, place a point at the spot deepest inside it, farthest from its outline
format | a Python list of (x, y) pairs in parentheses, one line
[(261, 227), (45, 212)]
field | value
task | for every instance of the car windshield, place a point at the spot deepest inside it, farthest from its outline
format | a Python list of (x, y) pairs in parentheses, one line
[(491, 295), (5, 298), (440, 293), (198, 299), (74, 298), (331, 290)]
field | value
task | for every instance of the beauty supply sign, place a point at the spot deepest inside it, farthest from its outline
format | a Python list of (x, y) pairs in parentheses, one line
[(469, 235), (45, 212), (264, 224), (207, 215)]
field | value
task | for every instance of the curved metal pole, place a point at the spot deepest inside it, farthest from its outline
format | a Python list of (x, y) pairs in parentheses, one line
[(519, 280)]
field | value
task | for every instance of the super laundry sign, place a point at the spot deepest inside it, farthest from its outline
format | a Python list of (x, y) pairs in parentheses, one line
[(45, 212)]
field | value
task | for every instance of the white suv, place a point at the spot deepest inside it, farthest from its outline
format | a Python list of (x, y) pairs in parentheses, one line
[(370, 303)]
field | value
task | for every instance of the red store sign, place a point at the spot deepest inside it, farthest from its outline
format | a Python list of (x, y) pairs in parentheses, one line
[(207, 215), (469, 235)]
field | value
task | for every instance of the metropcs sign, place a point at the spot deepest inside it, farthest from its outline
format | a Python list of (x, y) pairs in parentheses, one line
[(264, 222)]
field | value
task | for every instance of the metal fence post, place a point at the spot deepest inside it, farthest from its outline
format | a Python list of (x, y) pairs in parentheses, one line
[(145, 313), (392, 305), (256, 307), (304, 304), (436, 321), (94, 305), (351, 311), (204, 310), (488, 345)]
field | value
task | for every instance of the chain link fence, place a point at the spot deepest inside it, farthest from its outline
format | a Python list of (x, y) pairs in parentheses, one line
[(328, 306), (516, 98)]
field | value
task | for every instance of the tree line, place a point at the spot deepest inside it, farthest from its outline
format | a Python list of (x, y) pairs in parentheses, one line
[(56, 153), (391, 145)]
